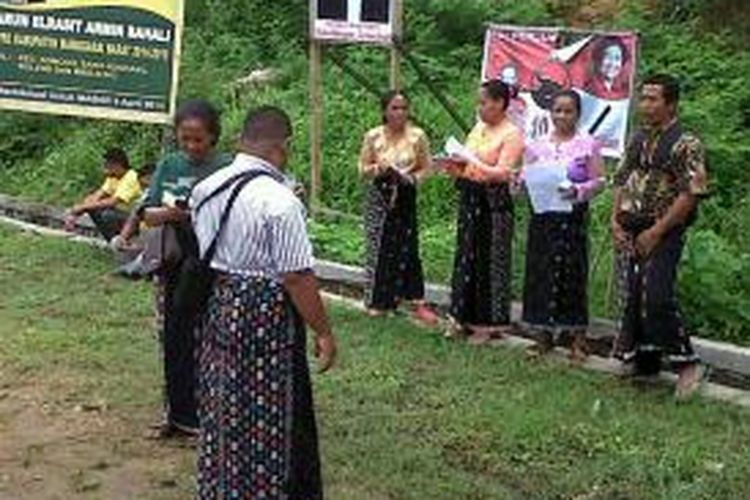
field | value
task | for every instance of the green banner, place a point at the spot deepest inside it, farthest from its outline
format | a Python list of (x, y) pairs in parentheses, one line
[(114, 59)]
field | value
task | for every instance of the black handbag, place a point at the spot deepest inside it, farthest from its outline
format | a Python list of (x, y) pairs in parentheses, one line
[(195, 278), (161, 249)]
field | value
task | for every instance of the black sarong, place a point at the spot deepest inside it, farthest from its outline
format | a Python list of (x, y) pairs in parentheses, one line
[(652, 327), (394, 269)]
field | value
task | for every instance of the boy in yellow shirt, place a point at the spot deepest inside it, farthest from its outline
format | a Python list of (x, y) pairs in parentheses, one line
[(110, 205)]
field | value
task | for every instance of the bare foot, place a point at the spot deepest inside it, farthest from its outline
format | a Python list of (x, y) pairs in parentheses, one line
[(425, 315), (479, 337), (689, 381), (499, 332), (70, 223), (375, 313)]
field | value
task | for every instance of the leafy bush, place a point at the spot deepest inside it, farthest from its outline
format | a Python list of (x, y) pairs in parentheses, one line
[(714, 287), (57, 159)]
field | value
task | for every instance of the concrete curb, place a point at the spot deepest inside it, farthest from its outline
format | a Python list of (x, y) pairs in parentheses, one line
[(598, 364), (721, 355)]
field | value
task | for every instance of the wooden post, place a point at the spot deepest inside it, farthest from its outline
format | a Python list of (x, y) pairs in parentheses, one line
[(316, 123), (398, 22)]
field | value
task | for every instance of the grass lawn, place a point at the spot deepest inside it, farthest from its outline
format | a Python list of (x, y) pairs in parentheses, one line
[(407, 415)]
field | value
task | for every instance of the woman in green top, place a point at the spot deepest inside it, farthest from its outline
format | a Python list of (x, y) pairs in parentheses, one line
[(198, 129)]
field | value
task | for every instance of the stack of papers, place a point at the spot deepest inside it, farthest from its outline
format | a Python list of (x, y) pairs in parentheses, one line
[(455, 149), (543, 183)]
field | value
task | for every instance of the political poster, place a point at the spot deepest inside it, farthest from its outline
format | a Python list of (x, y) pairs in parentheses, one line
[(353, 21), (114, 59), (539, 62)]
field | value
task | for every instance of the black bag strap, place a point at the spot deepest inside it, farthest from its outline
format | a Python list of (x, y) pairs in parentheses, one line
[(223, 187), (242, 180)]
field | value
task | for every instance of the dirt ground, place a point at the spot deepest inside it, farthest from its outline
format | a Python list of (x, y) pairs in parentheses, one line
[(52, 446)]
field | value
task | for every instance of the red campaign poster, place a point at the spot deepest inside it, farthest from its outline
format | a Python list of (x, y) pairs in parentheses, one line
[(539, 62)]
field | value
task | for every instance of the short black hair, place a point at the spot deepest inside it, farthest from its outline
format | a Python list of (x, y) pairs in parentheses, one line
[(266, 123), (605, 42), (116, 156), (573, 95), (670, 86), (386, 98), (204, 111), (498, 90), (147, 169)]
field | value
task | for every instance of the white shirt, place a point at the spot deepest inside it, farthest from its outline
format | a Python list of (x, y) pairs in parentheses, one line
[(266, 233)]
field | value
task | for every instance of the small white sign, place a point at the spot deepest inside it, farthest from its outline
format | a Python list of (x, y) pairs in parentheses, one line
[(354, 21)]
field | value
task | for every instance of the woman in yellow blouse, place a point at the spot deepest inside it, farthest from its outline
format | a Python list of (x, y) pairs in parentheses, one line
[(395, 157), (481, 291)]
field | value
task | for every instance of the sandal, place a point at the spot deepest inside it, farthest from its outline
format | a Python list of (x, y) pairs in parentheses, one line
[(543, 345), (455, 330), (579, 349), (166, 430)]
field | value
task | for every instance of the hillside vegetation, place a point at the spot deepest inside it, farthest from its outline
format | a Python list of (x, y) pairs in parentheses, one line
[(703, 42)]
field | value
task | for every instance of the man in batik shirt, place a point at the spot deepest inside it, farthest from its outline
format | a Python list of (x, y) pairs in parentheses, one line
[(657, 189)]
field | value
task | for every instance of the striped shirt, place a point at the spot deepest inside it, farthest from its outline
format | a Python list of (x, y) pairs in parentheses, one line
[(266, 233)]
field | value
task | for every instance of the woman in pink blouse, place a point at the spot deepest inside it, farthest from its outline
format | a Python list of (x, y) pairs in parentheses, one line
[(555, 296)]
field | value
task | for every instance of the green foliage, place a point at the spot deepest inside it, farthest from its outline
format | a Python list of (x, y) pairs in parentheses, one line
[(340, 242), (715, 280), (56, 159)]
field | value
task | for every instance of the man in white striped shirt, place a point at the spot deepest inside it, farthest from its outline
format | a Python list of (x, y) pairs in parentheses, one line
[(258, 432)]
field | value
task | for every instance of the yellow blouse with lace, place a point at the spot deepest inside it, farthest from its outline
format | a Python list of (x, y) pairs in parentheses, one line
[(499, 146), (408, 152)]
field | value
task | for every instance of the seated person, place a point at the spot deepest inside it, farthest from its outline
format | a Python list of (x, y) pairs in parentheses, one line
[(134, 225), (110, 205), (130, 244)]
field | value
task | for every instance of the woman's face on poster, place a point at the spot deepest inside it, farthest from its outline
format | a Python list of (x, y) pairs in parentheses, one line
[(509, 76), (612, 62)]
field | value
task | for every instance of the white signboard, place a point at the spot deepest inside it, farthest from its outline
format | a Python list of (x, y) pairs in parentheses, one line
[(353, 21)]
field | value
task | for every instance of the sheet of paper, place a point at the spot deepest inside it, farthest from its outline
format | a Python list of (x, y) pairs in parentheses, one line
[(455, 149), (168, 199), (543, 185)]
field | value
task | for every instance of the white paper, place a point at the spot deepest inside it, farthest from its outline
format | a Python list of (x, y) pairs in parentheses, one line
[(543, 183), (455, 149), (168, 199)]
